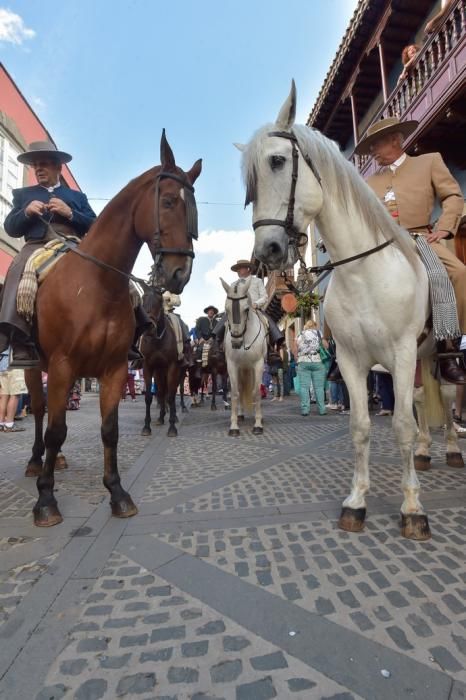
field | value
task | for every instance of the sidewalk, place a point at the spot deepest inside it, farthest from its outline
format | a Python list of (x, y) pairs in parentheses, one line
[(233, 582)]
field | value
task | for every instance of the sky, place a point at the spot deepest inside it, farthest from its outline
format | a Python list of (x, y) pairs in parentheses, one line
[(106, 77)]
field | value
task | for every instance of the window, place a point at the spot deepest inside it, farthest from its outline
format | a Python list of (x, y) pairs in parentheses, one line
[(11, 174)]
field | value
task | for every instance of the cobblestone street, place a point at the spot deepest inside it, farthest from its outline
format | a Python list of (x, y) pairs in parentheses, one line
[(233, 581)]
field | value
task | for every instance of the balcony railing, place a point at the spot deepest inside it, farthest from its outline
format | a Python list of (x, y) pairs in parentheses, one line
[(431, 64)]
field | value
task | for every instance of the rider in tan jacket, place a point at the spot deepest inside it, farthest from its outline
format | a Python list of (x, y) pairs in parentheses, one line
[(409, 188)]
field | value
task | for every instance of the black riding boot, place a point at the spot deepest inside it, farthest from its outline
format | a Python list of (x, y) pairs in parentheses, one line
[(143, 323), (450, 369), (24, 354)]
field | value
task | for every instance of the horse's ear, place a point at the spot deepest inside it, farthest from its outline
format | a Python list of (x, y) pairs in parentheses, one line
[(225, 286), (240, 146), (287, 114), (195, 171), (167, 159)]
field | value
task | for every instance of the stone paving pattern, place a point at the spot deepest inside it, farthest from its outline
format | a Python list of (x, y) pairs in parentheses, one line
[(120, 619)]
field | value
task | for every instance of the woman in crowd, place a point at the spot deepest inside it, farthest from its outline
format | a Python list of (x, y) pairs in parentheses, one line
[(408, 57), (311, 369)]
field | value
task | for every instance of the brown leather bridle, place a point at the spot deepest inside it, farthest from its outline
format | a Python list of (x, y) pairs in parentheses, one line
[(191, 217)]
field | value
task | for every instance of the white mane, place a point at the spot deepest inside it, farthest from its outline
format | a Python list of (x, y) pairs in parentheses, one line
[(341, 182)]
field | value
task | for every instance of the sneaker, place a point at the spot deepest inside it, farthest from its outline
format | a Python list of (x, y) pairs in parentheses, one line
[(332, 406)]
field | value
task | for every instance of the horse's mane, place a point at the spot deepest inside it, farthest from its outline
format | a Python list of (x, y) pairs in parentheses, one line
[(340, 180)]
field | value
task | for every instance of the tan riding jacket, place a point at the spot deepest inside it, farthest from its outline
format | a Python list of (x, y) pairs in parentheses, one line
[(417, 183)]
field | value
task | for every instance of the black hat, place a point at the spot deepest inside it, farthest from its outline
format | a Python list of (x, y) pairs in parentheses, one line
[(43, 149), (211, 307)]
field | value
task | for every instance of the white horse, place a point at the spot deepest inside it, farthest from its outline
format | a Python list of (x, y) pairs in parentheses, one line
[(245, 349), (376, 306)]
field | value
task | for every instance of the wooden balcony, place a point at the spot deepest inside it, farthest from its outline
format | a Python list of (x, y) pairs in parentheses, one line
[(438, 75)]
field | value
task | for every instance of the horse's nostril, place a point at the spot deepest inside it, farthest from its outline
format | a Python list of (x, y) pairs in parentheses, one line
[(274, 248)]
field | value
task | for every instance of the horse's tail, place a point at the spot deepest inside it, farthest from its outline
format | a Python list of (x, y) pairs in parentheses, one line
[(434, 407), (246, 388)]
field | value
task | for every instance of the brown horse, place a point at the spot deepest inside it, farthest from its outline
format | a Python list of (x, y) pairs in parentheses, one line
[(159, 348), (85, 321), (198, 376)]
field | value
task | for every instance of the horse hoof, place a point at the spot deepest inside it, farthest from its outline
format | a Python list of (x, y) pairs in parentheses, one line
[(415, 527), (233, 432), (213, 407), (146, 432), (124, 508), (159, 422), (455, 459), (60, 462), (257, 430), (172, 431), (184, 409), (240, 419), (176, 419), (422, 463), (46, 516), (33, 469), (352, 519)]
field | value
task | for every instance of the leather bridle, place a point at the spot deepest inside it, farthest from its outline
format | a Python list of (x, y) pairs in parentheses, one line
[(236, 301), (191, 217), (298, 238)]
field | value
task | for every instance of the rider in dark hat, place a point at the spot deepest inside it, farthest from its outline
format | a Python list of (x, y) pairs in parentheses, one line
[(205, 325), (50, 201)]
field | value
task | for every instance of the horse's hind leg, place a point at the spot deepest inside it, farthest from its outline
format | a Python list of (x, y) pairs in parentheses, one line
[(213, 405), (353, 513), (33, 379), (172, 385), (424, 439), (148, 401), (414, 523), (46, 512), (121, 502), (258, 371), (454, 456)]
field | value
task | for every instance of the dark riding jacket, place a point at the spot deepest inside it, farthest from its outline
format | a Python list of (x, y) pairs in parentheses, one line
[(17, 224), (205, 327)]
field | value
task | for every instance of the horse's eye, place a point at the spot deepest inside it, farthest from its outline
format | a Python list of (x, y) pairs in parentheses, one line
[(168, 202), (276, 162)]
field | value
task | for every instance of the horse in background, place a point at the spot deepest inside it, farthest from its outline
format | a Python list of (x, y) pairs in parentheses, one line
[(377, 305), (199, 376), (161, 362), (245, 350), (87, 293)]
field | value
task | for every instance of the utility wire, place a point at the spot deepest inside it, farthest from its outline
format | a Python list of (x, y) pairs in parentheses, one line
[(218, 204)]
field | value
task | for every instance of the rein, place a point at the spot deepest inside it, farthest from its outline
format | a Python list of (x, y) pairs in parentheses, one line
[(191, 224)]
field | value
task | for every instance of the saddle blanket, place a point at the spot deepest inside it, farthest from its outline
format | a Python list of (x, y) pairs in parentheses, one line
[(36, 270), (176, 325)]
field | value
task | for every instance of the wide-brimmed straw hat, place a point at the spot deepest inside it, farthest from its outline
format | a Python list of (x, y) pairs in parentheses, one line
[(43, 149), (390, 125), (211, 307), (241, 263)]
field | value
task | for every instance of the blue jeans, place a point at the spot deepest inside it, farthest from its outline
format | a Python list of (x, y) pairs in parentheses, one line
[(313, 373), (336, 393)]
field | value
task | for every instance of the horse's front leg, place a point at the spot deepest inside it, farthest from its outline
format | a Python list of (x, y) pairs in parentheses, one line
[(172, 385), (414, 523), (148, 400), (121, 502), (234, 430), (422, 456), (33, 379), (353, 513), (258, 371), (59, 382), (454, 456)]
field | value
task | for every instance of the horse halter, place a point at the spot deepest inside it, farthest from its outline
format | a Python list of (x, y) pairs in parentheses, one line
[(191, 217), (297, 237), (236, 315)]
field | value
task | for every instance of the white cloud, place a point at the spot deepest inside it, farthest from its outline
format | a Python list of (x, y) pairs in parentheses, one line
[(12, 28), (38, 102), (231, 245)]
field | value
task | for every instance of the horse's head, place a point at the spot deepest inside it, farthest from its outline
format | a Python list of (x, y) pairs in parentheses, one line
[(152, 302), (166, 219), (237, 309), (283, 186)]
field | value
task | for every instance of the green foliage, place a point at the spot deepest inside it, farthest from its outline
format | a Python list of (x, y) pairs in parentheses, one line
[(305, 302)]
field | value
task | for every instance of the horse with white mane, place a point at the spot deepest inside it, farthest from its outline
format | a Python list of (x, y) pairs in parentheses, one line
[(377, 305), (245, 349)]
